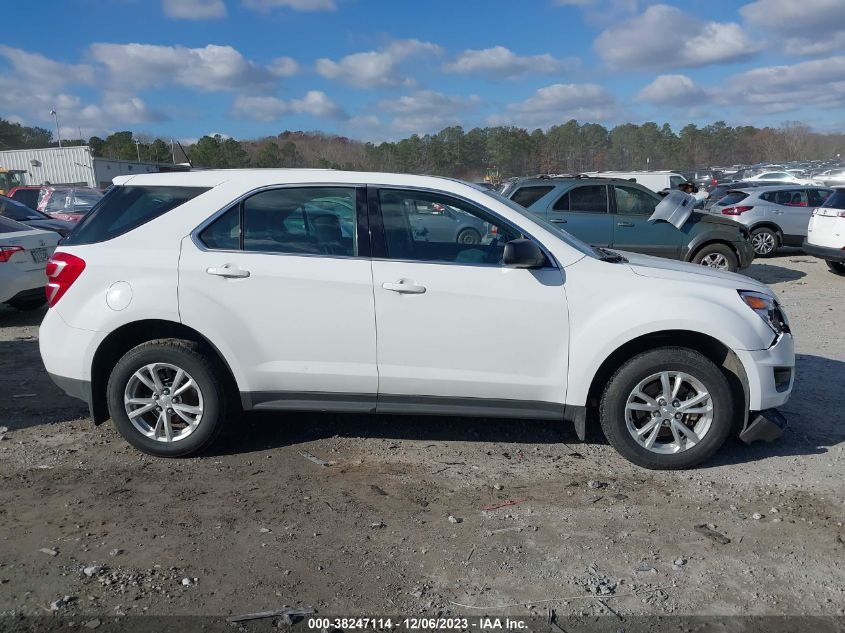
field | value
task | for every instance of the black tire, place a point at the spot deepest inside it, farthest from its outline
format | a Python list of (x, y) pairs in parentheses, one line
[(709, 251), (469, 236), (627, 377), (202, 367), (836, 267), (766, 242), (25, 305)]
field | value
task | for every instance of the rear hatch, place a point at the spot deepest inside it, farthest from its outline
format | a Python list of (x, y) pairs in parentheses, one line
[(827, 224)]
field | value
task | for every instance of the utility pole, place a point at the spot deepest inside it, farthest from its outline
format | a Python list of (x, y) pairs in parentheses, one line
[(138, 149), (172, 152), (58, 133)]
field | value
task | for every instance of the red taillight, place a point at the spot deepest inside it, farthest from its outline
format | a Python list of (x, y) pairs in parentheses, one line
[(62, 270), (715, 182), (735, 210), (6, 252)]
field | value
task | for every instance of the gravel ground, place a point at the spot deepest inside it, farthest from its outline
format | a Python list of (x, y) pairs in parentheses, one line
[(415, 515)]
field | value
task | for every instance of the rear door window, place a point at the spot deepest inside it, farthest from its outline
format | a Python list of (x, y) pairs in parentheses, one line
[(633, 201), (587, 199), (787, 198), (526, 196), (126, 208)]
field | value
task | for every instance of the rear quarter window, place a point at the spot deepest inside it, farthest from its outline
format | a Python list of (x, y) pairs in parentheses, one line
[(126, 208), (526, 196)]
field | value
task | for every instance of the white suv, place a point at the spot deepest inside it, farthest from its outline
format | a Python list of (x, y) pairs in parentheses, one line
[(182, 299), (826, 232)]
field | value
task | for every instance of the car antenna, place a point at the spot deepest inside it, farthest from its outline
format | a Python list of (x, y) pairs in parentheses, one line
[(187, 158)]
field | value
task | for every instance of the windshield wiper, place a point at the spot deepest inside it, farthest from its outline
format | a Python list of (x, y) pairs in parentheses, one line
[(606, 255)]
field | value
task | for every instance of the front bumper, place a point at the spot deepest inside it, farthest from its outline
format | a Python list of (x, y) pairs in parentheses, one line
[(823, 252), (770, 373), (766, 426), (746, 254)]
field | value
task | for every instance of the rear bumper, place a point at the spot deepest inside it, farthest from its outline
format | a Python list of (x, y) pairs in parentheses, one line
[(75, 388), (765, 425), (13, 282), (823, 252)]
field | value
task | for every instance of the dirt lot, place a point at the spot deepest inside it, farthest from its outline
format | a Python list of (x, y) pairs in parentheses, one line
[(254, 525)]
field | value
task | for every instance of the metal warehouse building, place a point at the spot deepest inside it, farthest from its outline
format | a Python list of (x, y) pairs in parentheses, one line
[(76, 166)]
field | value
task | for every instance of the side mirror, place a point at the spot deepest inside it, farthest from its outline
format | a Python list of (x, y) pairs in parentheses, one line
[(523, 253)]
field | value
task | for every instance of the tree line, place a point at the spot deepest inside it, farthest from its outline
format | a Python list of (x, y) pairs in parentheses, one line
[(568, 148)]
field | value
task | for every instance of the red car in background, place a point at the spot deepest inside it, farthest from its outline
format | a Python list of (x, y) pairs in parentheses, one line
[(58, 201)]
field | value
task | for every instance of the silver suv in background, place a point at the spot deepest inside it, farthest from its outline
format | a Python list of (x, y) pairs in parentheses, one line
[(775, 216)]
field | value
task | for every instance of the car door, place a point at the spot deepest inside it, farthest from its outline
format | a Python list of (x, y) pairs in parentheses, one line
[(791, 211), (456, 329), (284, 290), (632, 231), (583, 212)]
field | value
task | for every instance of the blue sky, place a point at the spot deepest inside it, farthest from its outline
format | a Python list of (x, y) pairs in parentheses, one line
[(375, 70)]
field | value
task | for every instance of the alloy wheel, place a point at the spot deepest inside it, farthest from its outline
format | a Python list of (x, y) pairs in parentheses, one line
[(715, 260), (763, 242), (163, 402), (669, 412)]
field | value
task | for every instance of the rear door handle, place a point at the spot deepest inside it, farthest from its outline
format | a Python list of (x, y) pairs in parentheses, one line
[(228, 271), (624, 224), (561, 221), (404, 286)]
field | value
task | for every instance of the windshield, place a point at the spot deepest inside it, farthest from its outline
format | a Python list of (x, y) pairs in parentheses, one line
[(17, 211), (570, 239)]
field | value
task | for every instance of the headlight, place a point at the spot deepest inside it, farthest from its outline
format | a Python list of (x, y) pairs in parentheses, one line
[(767, 308)]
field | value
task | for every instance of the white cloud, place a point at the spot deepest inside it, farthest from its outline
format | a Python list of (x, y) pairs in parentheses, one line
[(194, 9), (43, 72), (819, 83), (268, 109), (376, 68), (557, 104), (501, 62), (665, 37), (427, 111), (810, 27), (209, 68), (676, 90), (295, 5), (283, 67)]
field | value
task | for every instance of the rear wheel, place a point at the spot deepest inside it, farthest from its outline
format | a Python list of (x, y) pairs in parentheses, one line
[(764, 240), (667, 408), (719, 256), (167, 398), (469, 236), (836, 267)]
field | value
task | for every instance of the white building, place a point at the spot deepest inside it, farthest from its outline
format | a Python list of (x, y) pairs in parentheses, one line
[(76, 166)]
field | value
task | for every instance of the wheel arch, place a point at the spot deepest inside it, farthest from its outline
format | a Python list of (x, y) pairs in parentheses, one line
[(117, 343), (697, 248), (722, 355)]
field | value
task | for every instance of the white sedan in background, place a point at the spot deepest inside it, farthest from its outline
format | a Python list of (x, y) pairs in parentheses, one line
[(24, 252), (779, 176)]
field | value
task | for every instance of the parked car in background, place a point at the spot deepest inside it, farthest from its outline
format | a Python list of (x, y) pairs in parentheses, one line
[(826, 232), (720, 191), (21, 213), (654, 180), (830, 177), (68, 203), (704, 178), (27, 195), (782, 176), (24, 252), (776, 216), (609, 212), (668, 359)]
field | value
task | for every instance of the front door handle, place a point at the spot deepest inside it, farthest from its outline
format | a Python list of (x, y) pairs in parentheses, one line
[(559, 221), (404, 286), (626, 224), (228, 271)]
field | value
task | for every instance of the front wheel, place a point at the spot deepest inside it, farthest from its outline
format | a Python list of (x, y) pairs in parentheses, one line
[(719, 256), (836, 267), (764, 241), (167, 397), (667, 408)]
